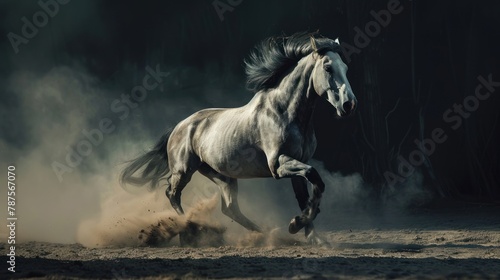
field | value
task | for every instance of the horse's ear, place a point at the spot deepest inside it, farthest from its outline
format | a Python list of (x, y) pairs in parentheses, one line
[(337, 41), (313, 44)]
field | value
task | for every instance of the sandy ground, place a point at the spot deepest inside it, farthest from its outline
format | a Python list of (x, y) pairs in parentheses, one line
[(455, 242)]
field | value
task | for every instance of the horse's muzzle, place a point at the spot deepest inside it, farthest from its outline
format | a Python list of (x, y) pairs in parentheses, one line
[(348, 108)]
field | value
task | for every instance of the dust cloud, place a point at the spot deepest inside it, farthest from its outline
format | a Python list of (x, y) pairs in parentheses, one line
[(128, 219), (140, 218)]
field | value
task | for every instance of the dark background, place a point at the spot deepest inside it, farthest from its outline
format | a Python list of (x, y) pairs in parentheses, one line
[(428, 58)]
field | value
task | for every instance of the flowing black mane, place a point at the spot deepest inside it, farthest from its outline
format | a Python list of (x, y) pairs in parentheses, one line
[(275, 55)]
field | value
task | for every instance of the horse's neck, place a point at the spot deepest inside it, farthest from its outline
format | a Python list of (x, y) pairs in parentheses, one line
[(294, 95)]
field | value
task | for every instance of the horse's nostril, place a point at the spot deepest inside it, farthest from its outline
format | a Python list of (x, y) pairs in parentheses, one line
[(347, 106)]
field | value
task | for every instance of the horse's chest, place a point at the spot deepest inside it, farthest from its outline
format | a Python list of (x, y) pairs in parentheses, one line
[(298, 144)]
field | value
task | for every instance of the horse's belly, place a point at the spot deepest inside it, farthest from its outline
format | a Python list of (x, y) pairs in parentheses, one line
[(242, 163)]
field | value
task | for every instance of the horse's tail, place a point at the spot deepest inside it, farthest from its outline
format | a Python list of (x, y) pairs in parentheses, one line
[(155, 162)]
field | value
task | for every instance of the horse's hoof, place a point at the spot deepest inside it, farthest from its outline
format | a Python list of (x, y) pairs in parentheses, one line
[(295, 225)]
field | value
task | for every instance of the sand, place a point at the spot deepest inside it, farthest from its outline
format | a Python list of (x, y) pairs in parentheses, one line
[(455, 242)]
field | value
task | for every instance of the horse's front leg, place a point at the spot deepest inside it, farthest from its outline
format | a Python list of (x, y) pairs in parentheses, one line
[(289, 168), (302, 194)]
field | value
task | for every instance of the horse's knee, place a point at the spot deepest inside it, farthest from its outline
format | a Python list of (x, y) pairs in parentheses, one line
[(282, 159), (312, 176)]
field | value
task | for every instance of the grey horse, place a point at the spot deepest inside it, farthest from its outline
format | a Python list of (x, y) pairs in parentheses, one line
[(270, 136)]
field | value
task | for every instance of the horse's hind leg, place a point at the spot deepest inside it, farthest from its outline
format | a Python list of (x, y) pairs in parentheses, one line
[(229, 193), (175, 185), (302, 195), (231, 208), (182, 170)]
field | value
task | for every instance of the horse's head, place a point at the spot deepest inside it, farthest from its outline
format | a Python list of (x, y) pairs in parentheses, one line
[(330, 81)]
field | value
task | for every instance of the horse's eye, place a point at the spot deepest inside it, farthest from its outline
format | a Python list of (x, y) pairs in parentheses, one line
[(328, 68)]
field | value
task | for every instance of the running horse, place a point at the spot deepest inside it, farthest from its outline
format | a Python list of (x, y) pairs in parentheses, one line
[(270, 136)]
